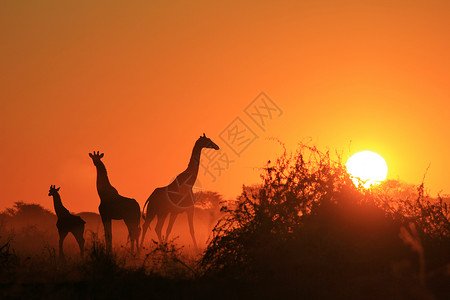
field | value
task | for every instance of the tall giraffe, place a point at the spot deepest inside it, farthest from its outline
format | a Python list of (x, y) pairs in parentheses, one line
[(177, 197), (67, 222), (115, 207)]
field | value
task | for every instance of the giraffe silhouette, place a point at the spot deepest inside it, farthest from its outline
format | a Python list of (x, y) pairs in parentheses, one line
[(67, 222), (115, 207), (177, 197)]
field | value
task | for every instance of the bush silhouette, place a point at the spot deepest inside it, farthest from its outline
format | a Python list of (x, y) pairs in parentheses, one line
[(29, 227), (308, 226)]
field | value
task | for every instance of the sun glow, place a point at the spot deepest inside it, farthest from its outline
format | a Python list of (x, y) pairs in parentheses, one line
[(367, 167)]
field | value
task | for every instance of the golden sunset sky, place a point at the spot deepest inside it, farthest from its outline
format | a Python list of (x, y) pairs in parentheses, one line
[(142, 80)]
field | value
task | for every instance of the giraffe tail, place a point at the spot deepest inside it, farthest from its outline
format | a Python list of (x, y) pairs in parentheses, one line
[(153, 195), (143, 208)]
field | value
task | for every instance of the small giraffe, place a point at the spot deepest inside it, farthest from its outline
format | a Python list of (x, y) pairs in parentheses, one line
[(67, 222), (177, 197), (115, 207)]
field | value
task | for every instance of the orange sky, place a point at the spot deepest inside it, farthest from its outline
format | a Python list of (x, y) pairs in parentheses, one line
[(141, 81)]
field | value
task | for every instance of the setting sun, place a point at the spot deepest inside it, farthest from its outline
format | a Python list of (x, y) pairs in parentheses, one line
[(368, 167)]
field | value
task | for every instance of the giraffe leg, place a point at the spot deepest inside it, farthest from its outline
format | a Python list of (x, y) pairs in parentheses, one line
[(146, 225), (78, 233), (190, 214), (172, 218), (137, 233), (159, 225), (108, 234), (133, 233), (130, 235), (62, 236)]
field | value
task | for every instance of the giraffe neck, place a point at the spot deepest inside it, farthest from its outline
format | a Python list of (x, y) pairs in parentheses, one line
[(102, 177), (104, 188), (60, 210), (194, 163)]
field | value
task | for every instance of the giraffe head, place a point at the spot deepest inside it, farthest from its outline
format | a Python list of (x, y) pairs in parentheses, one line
[(206, 142), (96, 157), (53, 190)]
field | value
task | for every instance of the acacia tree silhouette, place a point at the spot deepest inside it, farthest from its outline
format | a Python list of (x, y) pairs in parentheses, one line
[(177, 197), (114, 206), (67, 222), (209, 204)]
